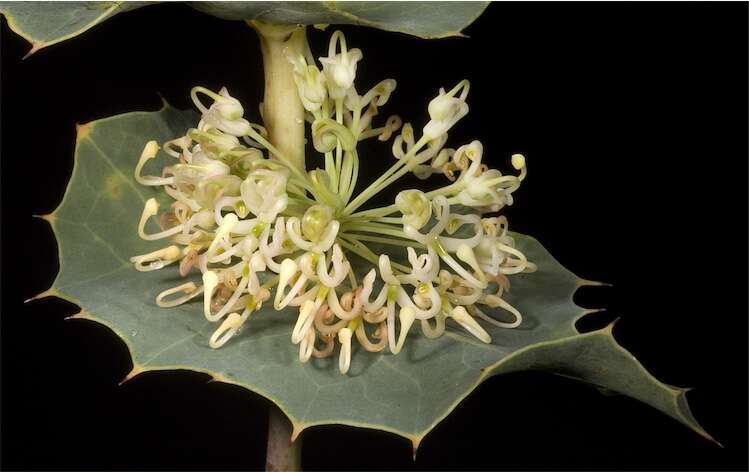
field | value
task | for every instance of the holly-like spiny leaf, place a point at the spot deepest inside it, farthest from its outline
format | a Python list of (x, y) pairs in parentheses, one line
[(46, 23), (407, 394)]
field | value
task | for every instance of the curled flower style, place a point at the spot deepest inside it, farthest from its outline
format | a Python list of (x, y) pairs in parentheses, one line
[(259, 231)]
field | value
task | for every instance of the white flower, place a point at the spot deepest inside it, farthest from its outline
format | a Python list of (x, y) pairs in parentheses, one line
[(225, 114), (310, 83), (214, 141), (211, 188), (489, 189), (316, 231), (441, 213), (264, 193), (496, 253), (446, 109), (415, 207), (340, 69), (252, 225)]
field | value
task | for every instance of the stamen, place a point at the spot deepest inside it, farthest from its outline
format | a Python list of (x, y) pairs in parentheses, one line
[(188, 288), (210, 282), (324, 314), (327, 350), (460, 315), (304, 322), (156, 259), (439, 326), (307, 346), (407, 318), (231, 302), (149, 152), (289, 269), (344, 360), (361, 335), (339, 311), (150, 209), (223, 231), (367, 290), (497, 302), (226, 331), (340, 269)]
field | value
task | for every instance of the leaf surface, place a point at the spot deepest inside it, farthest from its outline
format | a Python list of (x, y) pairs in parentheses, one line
[(407, 394), (46, 23), (423, 19)]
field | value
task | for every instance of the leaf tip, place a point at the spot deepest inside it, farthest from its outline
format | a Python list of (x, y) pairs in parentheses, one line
[(164, 104), (49, 217), (219, 377), (34, 48), (81, 315), (136, 370), (686, 416), (609, 329), (83, 130), (415, 443), (50, 292), (590, 311), (592, 283)]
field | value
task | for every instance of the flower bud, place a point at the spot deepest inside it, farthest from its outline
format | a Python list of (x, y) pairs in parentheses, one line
[(211, 188), (315, 221), (340, 69), (445, 110), (415, 206), (310, 83), (264, 193)]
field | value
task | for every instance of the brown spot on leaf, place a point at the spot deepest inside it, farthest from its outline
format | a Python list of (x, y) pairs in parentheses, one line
[(113, 186)]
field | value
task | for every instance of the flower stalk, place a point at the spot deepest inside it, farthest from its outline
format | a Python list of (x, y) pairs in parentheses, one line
[(283, 116), (283, 113)]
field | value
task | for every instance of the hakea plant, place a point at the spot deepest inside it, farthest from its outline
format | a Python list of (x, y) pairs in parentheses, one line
[(262, 231)]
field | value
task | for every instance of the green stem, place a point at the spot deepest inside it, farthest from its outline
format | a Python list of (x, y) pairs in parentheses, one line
[(283, 116), (283, 113)]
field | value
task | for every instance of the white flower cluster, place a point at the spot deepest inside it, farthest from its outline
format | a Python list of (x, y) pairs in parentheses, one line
[(261, 230)]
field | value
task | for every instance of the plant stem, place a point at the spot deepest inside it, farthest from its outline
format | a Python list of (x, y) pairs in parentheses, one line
[(282, 455), (283, 113), (283, 116)]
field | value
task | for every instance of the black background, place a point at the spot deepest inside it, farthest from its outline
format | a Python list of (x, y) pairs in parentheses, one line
[(633, 119)]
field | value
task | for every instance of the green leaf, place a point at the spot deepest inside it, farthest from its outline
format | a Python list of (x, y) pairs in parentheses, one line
[(407, 394), (46, 23), (423, 19)]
